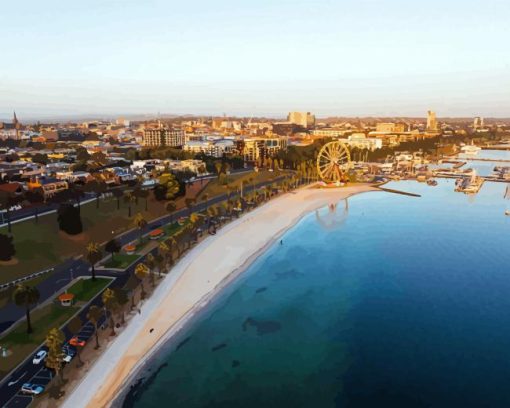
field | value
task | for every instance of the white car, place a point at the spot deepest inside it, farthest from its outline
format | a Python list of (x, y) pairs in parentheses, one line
[(40, 356)]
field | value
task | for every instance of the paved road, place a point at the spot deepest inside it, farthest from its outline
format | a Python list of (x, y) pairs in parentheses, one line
[(28, 372)]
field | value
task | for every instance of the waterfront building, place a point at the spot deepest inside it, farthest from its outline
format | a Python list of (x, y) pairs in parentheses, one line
[(360, 141), (304, 119), (255, 148)]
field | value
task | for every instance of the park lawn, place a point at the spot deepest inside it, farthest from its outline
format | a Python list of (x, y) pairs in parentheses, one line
[(42, 245), (121, 261), (217, 187), (86, 289), (20, 344)]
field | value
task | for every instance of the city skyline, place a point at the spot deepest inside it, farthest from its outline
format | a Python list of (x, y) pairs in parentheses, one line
[(335, 59)]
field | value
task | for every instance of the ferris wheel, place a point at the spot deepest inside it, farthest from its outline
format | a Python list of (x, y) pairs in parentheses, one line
[(333, 162)]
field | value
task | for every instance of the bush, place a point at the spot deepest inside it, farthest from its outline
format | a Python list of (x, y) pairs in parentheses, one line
[(7, 250), (69, 219)]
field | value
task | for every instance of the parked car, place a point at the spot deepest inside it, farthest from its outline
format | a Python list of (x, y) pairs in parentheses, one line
[(40, 356), (75, 341), (32, 389), (69, 353)]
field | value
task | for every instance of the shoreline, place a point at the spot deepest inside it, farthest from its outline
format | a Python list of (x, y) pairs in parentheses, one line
[(185, 293)]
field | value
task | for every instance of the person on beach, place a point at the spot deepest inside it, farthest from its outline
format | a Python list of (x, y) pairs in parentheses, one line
[(281, 241)]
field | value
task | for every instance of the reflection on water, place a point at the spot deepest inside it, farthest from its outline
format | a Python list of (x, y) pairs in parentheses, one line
[(334, 215), (405, 305)]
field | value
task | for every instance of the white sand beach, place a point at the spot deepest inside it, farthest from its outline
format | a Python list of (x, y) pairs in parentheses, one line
[(192, 283)]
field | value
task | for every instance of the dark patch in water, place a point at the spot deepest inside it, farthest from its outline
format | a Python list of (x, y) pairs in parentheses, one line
[(219, 347), (182, 343), (291, 274), (235, 363), (260, 290), (139, 387), (263, 327)]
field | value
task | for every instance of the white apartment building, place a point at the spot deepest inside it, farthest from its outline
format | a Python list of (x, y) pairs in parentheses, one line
[(305, 119), (163, 137), (215, 148)]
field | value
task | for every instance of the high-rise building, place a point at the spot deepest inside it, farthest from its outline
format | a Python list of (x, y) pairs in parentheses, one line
[(431, 121), (304, 119), (478, 123), (163, 137)]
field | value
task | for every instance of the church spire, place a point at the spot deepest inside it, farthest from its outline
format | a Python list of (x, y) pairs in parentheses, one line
[(14, 119)]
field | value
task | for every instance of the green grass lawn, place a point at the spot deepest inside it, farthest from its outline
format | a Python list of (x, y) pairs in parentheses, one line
[(121, 261), (86, 289), (21, 344), (42, 245)]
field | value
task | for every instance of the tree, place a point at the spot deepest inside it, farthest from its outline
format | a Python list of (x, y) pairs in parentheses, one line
[(40, 158), (140, 222), (189, 204), (97, 187), (69, 219), (129, 199), (74, 327), (26, 296), (145, 195), (81, 154), (109, 301), (100, 158), (7, 250), (170, 207), (219, 167), (117, 193), (121, 297), (54, 341), (164, 253), (205, 200), (94, 255), (94, 315), (141, 272), (113, 246), (150, 261)]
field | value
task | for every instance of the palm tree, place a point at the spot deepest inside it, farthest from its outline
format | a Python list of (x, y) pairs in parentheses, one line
[(121, 298), (140, 223), (94, 315), (150, 261), (170, 207), (164, 253), (129, 199), (94, 255), (205, 200), (141, 272), (26, 296), (189, 204), (117, 193), (109, 301)]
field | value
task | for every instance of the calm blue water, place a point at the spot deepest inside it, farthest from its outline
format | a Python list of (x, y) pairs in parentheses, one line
[(398, 302), (486, 168)]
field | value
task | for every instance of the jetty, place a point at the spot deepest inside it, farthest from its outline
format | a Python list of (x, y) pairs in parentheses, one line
[(391, 190)]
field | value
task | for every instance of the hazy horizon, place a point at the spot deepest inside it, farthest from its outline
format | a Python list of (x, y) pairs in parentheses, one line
[(349, 58)]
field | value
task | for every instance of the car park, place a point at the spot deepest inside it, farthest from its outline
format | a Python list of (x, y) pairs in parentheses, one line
[(76, 341), (32, 389), (40, 356)]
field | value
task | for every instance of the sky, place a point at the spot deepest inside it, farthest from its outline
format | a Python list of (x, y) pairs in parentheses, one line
[(257, 57)]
